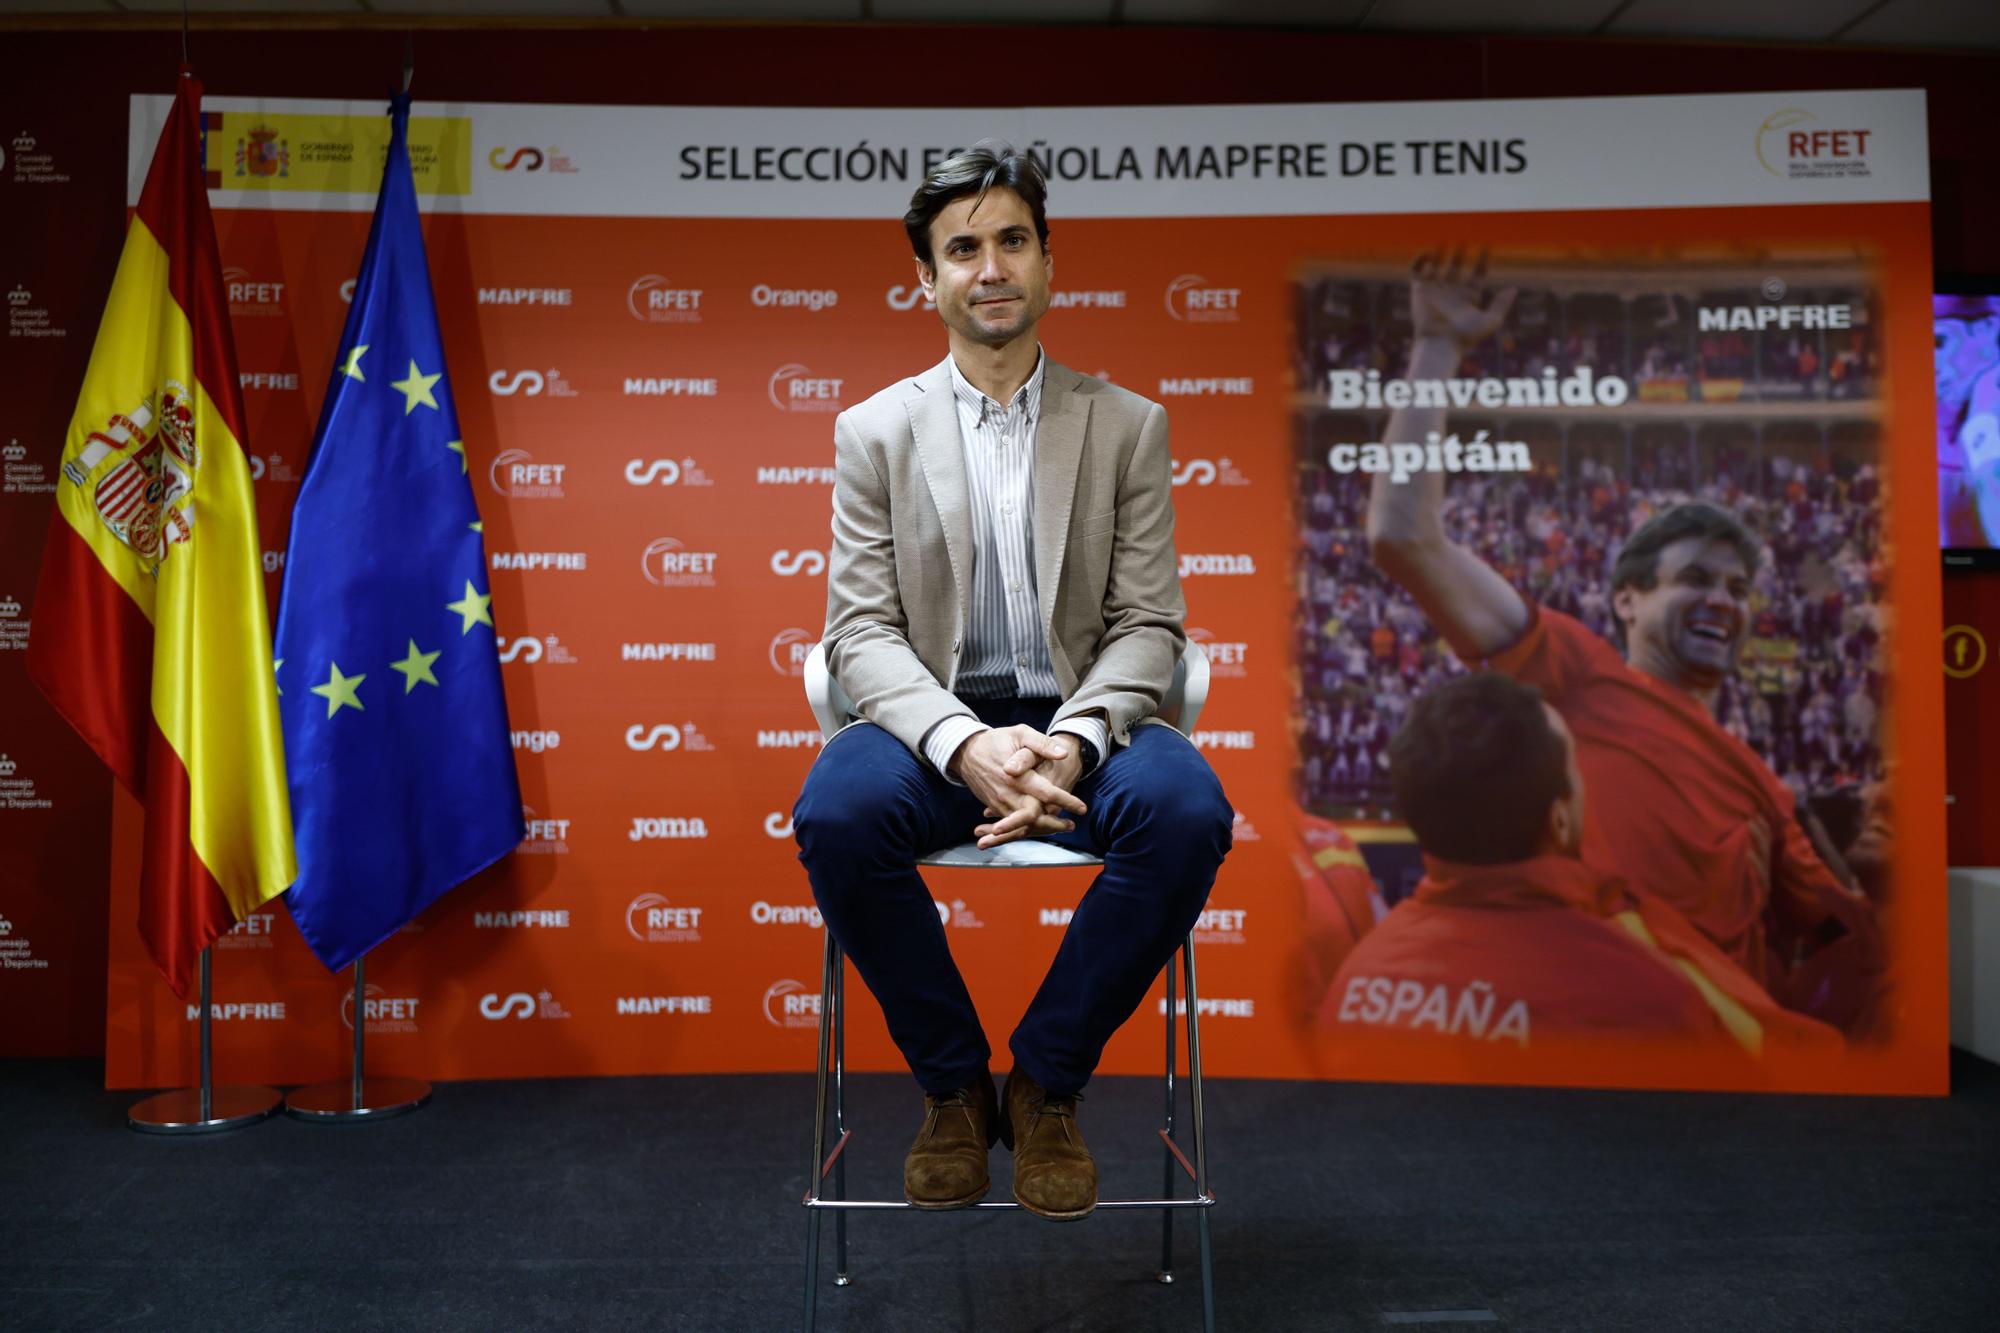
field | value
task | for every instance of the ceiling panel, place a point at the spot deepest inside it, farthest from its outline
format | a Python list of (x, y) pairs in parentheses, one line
[(984, 11), (1930, 23), (239, 6), (1481, 16), (513, 9), (1763, 20), (773, 11), (1288, 13)]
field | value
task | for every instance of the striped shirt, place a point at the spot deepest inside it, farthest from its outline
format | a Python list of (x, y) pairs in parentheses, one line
[(1006, 652)]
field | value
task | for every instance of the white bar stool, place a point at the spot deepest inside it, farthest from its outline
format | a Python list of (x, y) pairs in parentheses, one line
[(834, 710)]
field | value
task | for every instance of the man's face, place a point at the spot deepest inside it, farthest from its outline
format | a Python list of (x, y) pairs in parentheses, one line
[(990, 275), (1688, 627), (1566, 816)]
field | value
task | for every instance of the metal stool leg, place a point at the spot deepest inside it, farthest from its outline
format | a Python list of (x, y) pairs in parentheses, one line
[(1166, 1273), (827, 969), (1200, 1139), (840, 1271)]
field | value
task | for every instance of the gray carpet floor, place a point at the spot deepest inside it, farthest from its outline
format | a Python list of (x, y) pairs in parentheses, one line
[(672, 1203)]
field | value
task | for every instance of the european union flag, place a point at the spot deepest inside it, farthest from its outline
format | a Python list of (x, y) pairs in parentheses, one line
[(396, 738)]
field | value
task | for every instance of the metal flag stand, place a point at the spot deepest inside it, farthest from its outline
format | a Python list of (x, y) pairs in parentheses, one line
[(357, 1097), (207, 1108)]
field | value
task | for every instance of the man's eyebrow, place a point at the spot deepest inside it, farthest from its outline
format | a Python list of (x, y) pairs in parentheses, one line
[(1011, 229)]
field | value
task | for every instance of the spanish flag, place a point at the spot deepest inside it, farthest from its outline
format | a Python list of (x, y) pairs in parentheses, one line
[(150, 634)]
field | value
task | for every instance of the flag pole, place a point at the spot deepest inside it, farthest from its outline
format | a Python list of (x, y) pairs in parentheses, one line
[(207, 1108), (358, 1097)]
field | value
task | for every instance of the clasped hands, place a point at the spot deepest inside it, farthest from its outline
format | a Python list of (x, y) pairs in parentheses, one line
[(1024, 778)]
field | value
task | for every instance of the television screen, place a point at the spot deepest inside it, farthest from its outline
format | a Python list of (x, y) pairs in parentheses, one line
[(1967, 329)]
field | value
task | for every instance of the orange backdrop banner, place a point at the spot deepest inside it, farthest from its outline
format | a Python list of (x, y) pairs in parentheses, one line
[(647, 402)]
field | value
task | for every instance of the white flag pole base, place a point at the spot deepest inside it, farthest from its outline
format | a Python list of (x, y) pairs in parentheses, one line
[(373, 1099), (204, 1109), (358, 1097)]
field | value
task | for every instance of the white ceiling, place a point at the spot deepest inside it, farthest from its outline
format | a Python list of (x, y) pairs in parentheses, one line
[(1932, 23)]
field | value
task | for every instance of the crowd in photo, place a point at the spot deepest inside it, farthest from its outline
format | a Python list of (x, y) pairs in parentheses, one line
[(1807, 696)]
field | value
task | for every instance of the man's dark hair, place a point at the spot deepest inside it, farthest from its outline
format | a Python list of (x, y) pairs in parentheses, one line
[(974, 171), (1638, 562), (1475, 769)]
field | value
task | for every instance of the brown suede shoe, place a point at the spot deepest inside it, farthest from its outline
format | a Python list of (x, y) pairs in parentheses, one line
[(946, 1167), (1054, 1173)]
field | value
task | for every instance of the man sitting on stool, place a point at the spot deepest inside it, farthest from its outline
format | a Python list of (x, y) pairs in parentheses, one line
[(1004, 608)]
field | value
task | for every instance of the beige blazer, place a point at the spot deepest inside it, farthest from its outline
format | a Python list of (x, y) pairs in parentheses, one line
[(899, 592)]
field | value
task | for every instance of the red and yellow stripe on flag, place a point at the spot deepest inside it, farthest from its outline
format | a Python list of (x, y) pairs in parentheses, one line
[(150, 633)]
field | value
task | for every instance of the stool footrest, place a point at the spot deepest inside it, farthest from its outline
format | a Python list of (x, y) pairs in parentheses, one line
[(841, 1147)]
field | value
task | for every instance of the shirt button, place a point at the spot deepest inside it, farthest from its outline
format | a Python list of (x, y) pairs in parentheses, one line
[(1014, 585), (1020, 661), (1007, 508)]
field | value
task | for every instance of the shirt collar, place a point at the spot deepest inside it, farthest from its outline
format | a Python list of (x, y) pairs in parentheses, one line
[(1029, 397)]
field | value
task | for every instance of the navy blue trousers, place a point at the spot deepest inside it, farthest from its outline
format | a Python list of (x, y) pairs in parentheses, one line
[(870, 808)]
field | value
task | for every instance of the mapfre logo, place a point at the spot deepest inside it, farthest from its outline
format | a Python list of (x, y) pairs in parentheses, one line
[(381, 1011), (652, 300), (515, 474), (1208, 472), (788, 1004), (1225, 657), (246, 1011), (787, 563), (547, 383), (669, 564), (528, 296), (665, 472), (250, 298), (1224, 740), (1086, 300), (794, 388), (910, 298), (530, 651), (651, 919), (1192, 299), (1791, 143), (552, 160), (789, 650), (1776, 314), (665, 736)]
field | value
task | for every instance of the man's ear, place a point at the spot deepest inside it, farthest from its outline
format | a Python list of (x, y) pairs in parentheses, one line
[(927, 279), (1622, 603)]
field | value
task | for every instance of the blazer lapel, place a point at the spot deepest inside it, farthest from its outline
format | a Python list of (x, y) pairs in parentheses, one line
[(941, 451), (1058, 453)]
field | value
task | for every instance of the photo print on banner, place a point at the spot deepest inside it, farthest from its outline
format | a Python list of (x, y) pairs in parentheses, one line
[(1730, 888)]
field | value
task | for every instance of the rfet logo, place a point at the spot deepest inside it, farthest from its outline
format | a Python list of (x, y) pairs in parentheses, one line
[(382, 1011), (515, 473), (1192, 299), (1792, 144), (669, 564), (789, 650), (651, 919), (1225, 658), (249, 297), (653, 300), (794, 388), (788, 1004)]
